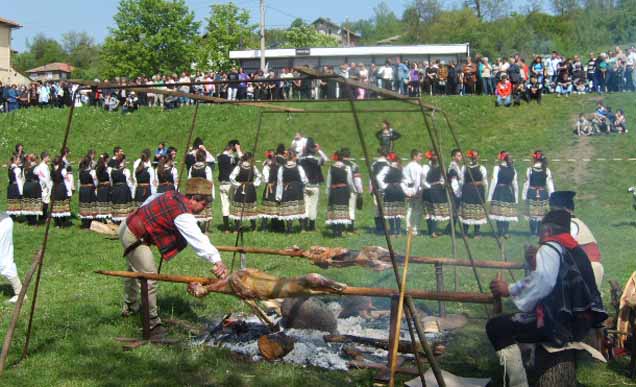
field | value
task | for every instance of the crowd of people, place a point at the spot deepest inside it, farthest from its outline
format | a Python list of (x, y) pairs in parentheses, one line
[(284, 191), (512, 80), (602, 121)]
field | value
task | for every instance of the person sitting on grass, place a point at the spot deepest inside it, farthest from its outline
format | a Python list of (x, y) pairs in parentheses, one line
[(583, 126), (620, 125), (533, 90), (504, 91), (558, 301), (564, 85), (599, 119), (518, 94)]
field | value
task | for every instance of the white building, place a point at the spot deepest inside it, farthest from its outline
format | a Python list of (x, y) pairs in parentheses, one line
[(318, 57), (7, 74)]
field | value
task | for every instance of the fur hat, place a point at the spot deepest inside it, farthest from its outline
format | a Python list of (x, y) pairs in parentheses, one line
[(560, 218), (198, 186), (562, 199)]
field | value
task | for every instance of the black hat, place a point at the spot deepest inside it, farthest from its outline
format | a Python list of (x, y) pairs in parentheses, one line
[(560, 218), (234, 142), (562, 199), (197, 143)]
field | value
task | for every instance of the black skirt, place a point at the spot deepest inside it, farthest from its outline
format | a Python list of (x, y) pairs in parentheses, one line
[(122, 202), (471, 210), (338, 206), (394, 202), (538, 202), (87, 202), (243, 205), (14, 200), (503, 207), (32, 198), (436, 203), (61, 201), (142, 192), (292, 205), (104, 204), (269, 206)]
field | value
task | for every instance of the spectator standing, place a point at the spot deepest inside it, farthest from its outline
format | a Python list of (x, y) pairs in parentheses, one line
[(486, 74)]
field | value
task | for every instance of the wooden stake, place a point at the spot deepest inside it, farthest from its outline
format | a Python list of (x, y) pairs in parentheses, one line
[(400, 307)]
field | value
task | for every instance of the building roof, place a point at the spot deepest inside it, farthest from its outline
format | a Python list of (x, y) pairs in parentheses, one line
[(325, 20), (428, 49), (9, 23), (63, 67)]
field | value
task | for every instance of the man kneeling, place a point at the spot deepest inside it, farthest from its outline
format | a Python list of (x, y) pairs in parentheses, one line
[(558, 301)]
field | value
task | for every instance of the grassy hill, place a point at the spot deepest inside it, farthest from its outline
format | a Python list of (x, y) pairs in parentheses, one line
[(78, 312)]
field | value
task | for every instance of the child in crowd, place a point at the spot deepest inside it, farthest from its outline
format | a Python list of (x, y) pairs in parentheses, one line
[(583, 126), (620, 124)]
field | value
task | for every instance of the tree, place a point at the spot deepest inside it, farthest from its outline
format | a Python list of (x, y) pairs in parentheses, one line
[(40, 51), (150, 36), (80, 49), (564, 7), (494, 9), (228, 29), (306, 36)]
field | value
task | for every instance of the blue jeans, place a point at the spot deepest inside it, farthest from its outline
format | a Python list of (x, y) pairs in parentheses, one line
[(506, 101), (486, 86)]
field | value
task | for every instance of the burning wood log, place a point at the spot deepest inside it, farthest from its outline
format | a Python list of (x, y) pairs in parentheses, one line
[(254, 284), (275, 345), (374, 257)]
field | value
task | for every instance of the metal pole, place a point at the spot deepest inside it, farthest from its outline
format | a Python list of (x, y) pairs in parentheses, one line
[(262, 33)]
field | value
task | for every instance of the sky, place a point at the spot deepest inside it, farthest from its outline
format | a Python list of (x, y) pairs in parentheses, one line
[(53, 18)]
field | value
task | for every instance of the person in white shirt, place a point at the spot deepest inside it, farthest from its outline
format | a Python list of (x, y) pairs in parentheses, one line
[(299, 143), (550, 299), (167, 221), (503, 194), (8, 268), (413, 173)]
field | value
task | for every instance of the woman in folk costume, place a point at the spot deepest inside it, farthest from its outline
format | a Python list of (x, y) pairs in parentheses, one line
[(167, 176), (454, 178), (393, 185), (104, 203), (122, 191), (32, 190), (14, 190), (503, 194), (245, 178), (201, 169), (87, 195), (43, 172), (474, 183), (537, 190), (61, 202), (436, 200), (269, 206), (290, 191), (143, 177), (339, 188)]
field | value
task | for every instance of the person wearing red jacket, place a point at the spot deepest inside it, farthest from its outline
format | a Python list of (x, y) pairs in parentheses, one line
[(504, 91)]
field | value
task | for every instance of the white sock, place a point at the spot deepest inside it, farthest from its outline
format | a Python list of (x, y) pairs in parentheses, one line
[(510, 359)]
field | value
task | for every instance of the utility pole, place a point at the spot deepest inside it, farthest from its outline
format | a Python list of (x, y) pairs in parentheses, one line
[(262, 23)]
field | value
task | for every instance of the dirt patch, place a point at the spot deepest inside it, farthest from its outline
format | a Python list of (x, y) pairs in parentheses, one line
[(576, 172)]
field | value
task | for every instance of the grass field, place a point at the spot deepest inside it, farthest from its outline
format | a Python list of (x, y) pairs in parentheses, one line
[(78, 312)]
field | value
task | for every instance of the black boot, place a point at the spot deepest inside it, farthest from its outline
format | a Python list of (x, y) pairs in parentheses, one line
[(379, 225), (289, 227), (430, 227), (500, 228), (477, 232), (226, 224), (391, 226), (433, 229), (253, 225), (352, 227), (398, 226), (303, 224), (312, 225), (465, 229), (32, 220), (506, 232)]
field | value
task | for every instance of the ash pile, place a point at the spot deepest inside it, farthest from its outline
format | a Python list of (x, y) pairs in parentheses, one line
[(338, 335)]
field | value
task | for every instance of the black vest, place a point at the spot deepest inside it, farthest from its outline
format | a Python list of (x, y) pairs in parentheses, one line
[(226, 166), (538, 177), (312, 168)]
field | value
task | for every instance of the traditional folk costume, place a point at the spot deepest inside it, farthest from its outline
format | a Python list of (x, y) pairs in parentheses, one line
[(168, 179), (87, 196), (312, 165), (202, 170), (46, 185), (413, 173), (503, 196), (474, 184), (166, 222), (227, 161), (61, 207), (121, 194), (580, 232), (8, 268), (244, 205), (393, 185), (536, 192), (289, 192), (14, 191), (143, 179), (339, 187), (454, 172), (558, 302), (377, 166), (104, 201), (355, 196), (435, 198), (269, 205), (31, 195)]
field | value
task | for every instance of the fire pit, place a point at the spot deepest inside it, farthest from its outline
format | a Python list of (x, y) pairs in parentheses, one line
[(240, 334)]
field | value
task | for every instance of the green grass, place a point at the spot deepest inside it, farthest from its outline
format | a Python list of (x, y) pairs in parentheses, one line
[(78, 312)]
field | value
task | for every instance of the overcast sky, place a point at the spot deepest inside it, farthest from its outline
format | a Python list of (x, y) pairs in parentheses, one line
[(53, 18)]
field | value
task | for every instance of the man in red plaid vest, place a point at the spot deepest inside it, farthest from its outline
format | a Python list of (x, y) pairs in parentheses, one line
[(165, 220)]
